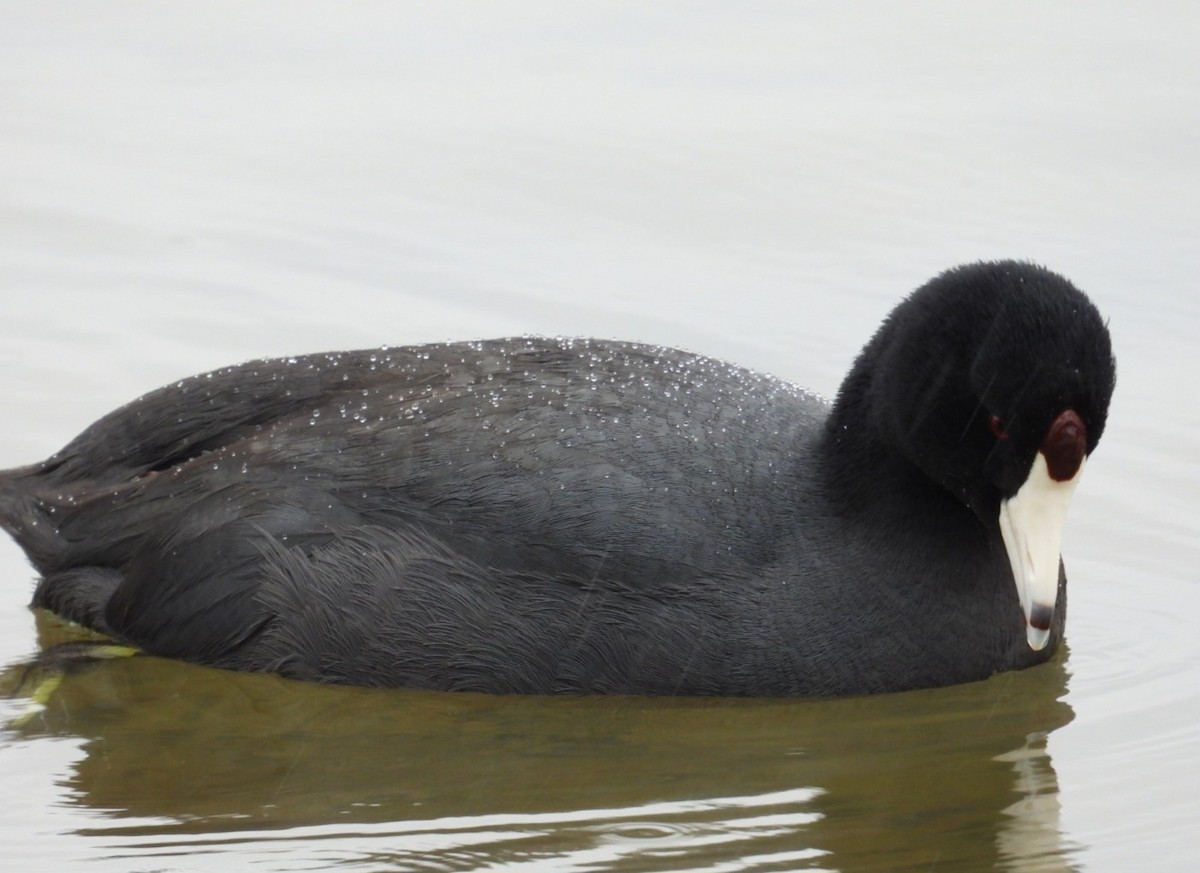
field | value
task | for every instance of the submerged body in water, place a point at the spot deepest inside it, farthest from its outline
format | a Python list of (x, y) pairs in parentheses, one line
[(547, 515)]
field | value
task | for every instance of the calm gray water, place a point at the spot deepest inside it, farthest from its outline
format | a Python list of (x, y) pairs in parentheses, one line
[(185, 187)]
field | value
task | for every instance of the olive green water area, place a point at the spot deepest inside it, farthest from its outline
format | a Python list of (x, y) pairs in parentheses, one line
[(181, 763)]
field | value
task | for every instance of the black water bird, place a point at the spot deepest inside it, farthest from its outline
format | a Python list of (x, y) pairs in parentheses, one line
[(576, 515)]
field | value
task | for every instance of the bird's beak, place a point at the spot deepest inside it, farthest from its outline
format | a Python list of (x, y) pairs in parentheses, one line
[(1031, 523)]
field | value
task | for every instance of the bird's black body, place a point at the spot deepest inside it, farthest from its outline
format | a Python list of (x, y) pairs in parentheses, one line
[(543, 515)]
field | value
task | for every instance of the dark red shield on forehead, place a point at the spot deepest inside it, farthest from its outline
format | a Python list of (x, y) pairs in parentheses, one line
[(1065, 445)]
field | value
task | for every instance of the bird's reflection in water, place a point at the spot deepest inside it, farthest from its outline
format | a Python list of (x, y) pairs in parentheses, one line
[(183, 759), (1032, 840)]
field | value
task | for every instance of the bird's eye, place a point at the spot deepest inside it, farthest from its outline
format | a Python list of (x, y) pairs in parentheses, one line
[(997, 428)]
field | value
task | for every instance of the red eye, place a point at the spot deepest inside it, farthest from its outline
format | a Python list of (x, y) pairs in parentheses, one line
[(997, 428)]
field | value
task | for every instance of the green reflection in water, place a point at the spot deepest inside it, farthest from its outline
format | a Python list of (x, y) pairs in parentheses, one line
[(187, 759)]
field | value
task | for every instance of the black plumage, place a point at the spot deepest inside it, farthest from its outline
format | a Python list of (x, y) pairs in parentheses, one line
[(550, 515)]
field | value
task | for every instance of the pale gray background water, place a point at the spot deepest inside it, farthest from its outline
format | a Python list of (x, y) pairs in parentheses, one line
[(186, 186)]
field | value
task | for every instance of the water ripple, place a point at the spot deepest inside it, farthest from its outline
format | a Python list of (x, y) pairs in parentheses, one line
[(716, 834)]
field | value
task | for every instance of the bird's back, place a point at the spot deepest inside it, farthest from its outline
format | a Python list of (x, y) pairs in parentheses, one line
[(319, 515)]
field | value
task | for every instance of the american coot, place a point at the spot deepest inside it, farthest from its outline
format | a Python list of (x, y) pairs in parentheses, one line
[(576, 515)]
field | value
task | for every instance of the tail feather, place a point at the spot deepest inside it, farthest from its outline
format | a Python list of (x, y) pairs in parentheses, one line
[(24, 517)]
